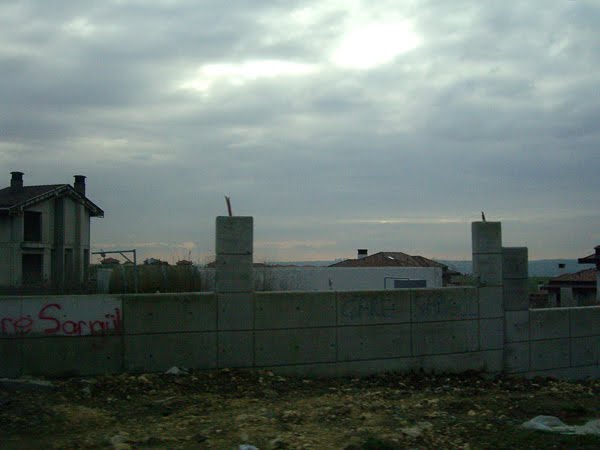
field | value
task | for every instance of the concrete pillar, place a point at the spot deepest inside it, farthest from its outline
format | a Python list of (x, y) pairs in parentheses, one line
[(234, 245), (487, 267), (515, 278), (234, 283), (515, 266)]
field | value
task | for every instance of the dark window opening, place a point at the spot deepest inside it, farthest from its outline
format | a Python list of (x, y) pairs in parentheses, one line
[(33, 226), (68, 266), (33, 269), (86, 265), (400, 284)]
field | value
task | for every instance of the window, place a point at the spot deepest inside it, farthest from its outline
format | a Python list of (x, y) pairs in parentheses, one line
[(32, 230), (32, 268), (399, 284)]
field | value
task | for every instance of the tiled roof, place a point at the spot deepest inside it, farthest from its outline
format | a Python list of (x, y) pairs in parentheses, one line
[(590, 259), (16, 199), (581, 276), (110, 260), (389, 259), (11, 197)]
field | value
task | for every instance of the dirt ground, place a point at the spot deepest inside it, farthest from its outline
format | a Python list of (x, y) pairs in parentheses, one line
[(228, 409)]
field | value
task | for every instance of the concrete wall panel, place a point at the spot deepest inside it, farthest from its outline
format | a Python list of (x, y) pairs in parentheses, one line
[(486, 237), (430, 305), (373, 366), (160, 352), (585, 351), (162, 313), (373, 342), (12, 321), (516, 357), (70, 356), (294, 309), (516, 294), (517, 326), (373, 307), (550, 354), (236, 311), (445, 337), (585, 321), (489, 269), (490, 302), (488, 361), (234, 235), (549, 323), (11, 359), (236, 349), (74, 315), (491, 334), (515, 262), (234, 273), (299, 346)]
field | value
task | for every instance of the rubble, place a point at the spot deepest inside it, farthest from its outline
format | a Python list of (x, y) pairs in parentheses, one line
[(228, 409)]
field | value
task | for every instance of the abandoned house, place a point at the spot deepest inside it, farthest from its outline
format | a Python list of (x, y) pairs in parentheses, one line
[(45, 233)]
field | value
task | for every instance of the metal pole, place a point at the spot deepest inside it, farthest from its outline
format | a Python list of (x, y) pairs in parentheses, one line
[(135, 272)]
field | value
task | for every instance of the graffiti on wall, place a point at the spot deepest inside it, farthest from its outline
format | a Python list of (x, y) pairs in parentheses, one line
[(61, 317), (372, 308)]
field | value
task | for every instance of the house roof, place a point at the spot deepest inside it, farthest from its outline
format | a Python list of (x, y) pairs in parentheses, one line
[(388, 259), (591, 259), (110, 260), (587, 275), (15, 200)]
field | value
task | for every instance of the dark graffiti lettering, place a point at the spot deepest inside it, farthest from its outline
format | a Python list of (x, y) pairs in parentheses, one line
[(369, 308)]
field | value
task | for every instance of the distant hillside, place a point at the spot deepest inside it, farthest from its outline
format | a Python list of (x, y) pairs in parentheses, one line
[(537, 268), (302, 263)]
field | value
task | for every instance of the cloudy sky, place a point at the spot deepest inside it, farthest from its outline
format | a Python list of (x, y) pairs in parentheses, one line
[(337, 124)]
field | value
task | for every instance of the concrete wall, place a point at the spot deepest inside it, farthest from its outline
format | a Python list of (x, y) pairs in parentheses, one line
[(489, 328), (323, 333), (558, 342), (60, 335)]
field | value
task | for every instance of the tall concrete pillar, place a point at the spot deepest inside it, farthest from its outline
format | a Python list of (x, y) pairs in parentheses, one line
[(234, 283), (516, 309), (487, 267), (234, 244)]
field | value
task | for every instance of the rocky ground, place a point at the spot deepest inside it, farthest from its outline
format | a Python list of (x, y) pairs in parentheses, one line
[(228, 409)]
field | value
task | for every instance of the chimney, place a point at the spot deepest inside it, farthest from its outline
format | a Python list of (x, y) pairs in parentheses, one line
[(362, 253), (79, 184), (17, 180)]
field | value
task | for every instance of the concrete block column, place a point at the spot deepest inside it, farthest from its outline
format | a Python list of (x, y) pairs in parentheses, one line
[(487, 267), (516, 309), (234, 244), (234, 283)]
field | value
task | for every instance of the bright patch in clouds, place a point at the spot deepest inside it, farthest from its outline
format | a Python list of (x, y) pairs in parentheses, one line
[(374, 44), (243, 72)]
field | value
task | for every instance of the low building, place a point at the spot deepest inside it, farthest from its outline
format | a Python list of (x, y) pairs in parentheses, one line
[(398, 259), (45, 233), (572, 289), (594, 258)]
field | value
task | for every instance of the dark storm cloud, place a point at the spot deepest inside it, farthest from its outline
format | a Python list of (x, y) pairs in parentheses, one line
[(496, 108)]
